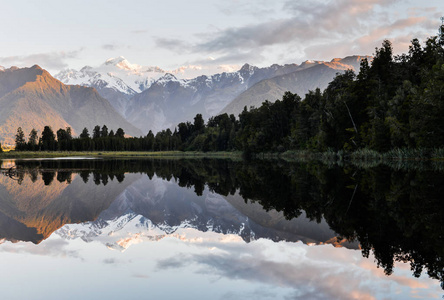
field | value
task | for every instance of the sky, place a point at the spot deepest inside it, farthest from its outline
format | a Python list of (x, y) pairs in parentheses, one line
[(206, 36)]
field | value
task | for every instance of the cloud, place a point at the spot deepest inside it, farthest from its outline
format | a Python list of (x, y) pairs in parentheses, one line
[(141, 276), (232, 58), (172, 263), (258, 35), (245, 7), (330, 20), (110, 47), (310, 280), (52, 60), (140, 31), (49, 247), (175, 45), (109, 261), (310, 30), (320, 272)]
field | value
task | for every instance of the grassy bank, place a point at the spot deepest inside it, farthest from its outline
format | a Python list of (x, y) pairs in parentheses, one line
[(110, 154), (362, 155)]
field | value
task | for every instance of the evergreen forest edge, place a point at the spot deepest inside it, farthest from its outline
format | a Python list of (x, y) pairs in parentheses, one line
[(394, 106)]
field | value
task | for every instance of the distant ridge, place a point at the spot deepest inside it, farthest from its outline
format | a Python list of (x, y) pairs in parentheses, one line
[(310, 75), (32, 98), (153, 99)]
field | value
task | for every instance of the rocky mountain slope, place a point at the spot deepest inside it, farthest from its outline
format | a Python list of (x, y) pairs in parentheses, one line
[(152, 99), (117, 80), (170, 100), (32, 98), (310, 75)]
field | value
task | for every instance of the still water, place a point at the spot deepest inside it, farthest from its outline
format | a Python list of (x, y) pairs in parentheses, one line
[(219, 229)]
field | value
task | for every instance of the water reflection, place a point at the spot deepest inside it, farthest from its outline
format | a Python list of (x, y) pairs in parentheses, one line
[(396, 215)]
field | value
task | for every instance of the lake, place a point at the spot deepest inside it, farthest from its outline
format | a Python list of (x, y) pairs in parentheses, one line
[(220, 229)]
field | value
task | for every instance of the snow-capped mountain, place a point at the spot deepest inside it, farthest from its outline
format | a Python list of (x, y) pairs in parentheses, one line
[(153, 99), (32, 98), (169, 100), (309, 76), (116, 73), (116, 79)]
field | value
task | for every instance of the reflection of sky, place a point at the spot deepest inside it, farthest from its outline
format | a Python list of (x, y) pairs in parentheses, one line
[(200, 266)]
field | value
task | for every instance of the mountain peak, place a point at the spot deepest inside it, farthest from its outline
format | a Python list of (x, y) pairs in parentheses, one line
[(122, 63), (115, 60), (168, 77), (84, 69), (246, 67), (36, 67)]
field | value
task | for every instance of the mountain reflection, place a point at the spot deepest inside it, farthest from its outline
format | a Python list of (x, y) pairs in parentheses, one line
[(396, 214)]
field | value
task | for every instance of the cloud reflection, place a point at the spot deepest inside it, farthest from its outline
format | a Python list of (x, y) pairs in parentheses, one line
[(319, 272), (55, 248)]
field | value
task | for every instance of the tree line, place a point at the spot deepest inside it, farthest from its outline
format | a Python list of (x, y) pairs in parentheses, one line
[(63, 140), (392, 102)]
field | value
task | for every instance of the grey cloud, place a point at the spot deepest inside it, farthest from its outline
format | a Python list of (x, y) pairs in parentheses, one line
[(175, 45), (172, 263), (341, 16), (265, 34), (263, 293), (47, 248), (307, 25), (141, 276), (355, 26), (233, 57), (309, 280), (257, 8), (109, 261), (110, 47), (53, 60), (141, 31)]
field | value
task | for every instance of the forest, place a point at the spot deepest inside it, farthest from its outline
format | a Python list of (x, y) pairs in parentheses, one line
[(393, 102)]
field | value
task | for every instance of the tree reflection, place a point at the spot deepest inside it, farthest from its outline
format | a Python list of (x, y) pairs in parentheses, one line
[(48, 177), (395, 214)]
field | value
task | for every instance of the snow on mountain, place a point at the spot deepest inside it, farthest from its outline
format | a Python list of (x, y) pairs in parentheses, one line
[(167, 78), (176, 100), (308, 76), (117, 80), (154, 99), (116, 73)]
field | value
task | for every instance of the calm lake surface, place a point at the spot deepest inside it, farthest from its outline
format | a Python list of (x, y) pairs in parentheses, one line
[(219, 229)]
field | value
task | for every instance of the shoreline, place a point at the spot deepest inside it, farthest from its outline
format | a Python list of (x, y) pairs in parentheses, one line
[(361, 155)]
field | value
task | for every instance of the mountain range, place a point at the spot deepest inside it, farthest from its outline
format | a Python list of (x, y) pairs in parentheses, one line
[(153, 99), (139, 99), (32, 98)]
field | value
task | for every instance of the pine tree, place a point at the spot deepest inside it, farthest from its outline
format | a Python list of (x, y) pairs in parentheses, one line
[(33, 140), (48, 139), (104, 131), (96, 132), (20, 140), (84, 134), (120, 133)]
